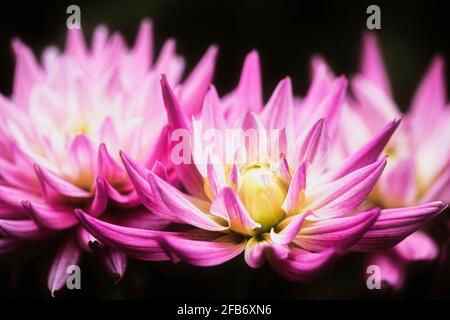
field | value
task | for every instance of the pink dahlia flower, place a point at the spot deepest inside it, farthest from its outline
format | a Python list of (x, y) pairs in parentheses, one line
[(418, 169), (277, 202), (61, 132)]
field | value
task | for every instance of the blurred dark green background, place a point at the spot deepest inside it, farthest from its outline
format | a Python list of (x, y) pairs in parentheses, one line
[(287, 34)]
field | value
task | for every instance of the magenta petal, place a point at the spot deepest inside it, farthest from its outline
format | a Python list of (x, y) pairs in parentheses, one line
[(212, 116), (394, 225), (347, 193), (399, 182), (54, 187), (115, 261), (68, 254), (100, 201), (301, 265), (178, 207), (143, 47), (49, 217), (27, 73), (314, 147), (249, 89), (227, 204), (139, 243), (372, 65), (417, 246), (291, 230), (392, 269), (138, 176), (337, 233), (23, 230), (195, 86), (256, 251), (108, 166), (176, 117), (295, 196), (369, 153), (430, 98), (206, 251), (278, 111)]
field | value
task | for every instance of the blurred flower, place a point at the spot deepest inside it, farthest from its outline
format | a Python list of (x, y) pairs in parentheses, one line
[(61, 132), (289, 209), (418, 169)]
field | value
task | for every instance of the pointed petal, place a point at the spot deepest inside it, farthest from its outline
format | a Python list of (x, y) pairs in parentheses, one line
[(249, 89), (176, 116), (207, 251), (23, 230), (68, 254), (292, 226), (345, 194), (227, 204), (296, 193), (53, 187), (27, 74), (49, 217), (138, 243), (430, 97), (178, 207), (337, 233), (394, 225), (115, 261), (369, 153), (372, 65), (196, 85), (313, 147), (278, 111)]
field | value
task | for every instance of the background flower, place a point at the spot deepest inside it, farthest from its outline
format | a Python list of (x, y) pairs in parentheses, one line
[(62, 130)]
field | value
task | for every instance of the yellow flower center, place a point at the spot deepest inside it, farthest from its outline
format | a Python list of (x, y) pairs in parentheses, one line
[(262, 192)]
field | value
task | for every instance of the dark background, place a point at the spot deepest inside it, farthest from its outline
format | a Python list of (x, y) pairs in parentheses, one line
[(286, 34)]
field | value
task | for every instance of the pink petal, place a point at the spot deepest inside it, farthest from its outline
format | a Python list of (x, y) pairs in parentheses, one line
[(314, 147), (347, 193), (27, 74), (295, 196), (138, 243), (392, 269), (115, 261), (301, 265), (418, 246), (23, 230), (430, 98), (398, 184), (178, 207), (256, 251), (68, 254), (49, 217), (337, 233), (370, 152), (208, 252), (55, 188), (196, 85), (228, 205), (278, 111), (291, 229), (394, 225), (372, 65), (249, 90)]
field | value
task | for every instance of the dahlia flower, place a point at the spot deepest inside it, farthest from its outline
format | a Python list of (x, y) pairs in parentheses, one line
[(274, 201), (61, 132), (418, 170)]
